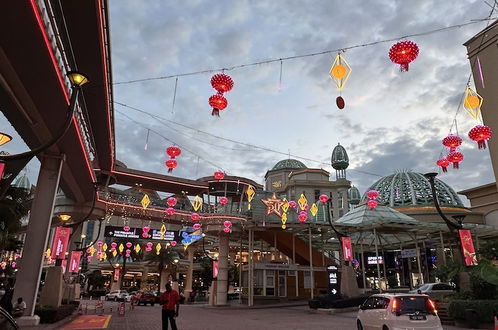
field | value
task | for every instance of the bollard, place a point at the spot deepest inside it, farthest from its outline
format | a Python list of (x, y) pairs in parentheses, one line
[(86, 308), (122, 309)]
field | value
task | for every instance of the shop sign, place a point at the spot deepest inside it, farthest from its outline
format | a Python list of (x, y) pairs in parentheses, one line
[(271, 266), (215, 268), (347, 249), (136, 233), (74, 261), (468, 251), (334, 288), (409, 253), (116, 274), (60, 243), (374, 261)]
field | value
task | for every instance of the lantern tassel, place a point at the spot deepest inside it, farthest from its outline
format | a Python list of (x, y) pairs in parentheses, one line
[(444, 168), (215, 112), (481, 144), (170, 170), (455, 165), (404, 67)]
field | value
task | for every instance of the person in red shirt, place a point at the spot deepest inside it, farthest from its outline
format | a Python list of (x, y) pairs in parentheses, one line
[(170, 301)]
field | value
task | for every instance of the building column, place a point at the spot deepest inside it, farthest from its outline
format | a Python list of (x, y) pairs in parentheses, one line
[(143, 281), (222, 281), (30, 266), (190, 273)]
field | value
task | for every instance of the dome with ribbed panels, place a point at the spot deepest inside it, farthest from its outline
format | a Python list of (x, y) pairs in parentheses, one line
[(339, 159), (408, 189), (354, 195), (288, 164)]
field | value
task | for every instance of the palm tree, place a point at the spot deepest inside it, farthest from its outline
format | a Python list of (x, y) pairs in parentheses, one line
[(165, 257)]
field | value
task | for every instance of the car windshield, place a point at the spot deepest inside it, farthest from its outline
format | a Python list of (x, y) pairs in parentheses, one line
[(412, 304), (424, 287)]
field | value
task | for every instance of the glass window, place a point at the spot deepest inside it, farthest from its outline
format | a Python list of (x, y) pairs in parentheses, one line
[(369, 303), (307, 279), (380, 303), (441, 286), (410, 304), (258, 278)]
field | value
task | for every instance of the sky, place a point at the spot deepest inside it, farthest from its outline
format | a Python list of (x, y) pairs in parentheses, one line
[(392, 120)]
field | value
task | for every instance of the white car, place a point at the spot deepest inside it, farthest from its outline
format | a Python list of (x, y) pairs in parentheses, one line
[(118, 295), (398, 311), (435, 290)]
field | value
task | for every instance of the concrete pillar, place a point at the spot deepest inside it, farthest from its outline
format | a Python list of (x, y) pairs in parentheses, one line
[(116, 285), (52, 292), (143, 282), (190, 273), (222, 281), (163, 279), (30, 266)]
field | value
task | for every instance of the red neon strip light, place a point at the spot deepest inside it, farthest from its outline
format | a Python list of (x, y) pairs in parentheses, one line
[(157, 179), (231, 181), (106, 85), (49, 48)]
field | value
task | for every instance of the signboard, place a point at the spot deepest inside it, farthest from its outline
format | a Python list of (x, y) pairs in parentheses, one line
[(374, 261), (60, 243), (116, 274), (136, 233), (2, 168), (409, 253), (64, 265), (468, 251), (334, 286), (347, 249), (215, 268), (74, 261), (270, 266)]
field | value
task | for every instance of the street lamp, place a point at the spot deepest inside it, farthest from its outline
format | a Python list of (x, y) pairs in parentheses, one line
[(64, 217)]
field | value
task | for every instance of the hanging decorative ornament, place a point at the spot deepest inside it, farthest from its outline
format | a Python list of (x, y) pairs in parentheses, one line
[(222, 82), (88, 259), (227, 223), (250, 195), (302, 217), (126, 228), (372, 194), (197, 203), (223, 201), (145, 231), (197, 226), (145, 201), (273, 205), (219, 175), (314, 209), (162, 231), (303, 202), (148, 249), (121, 247), (158, 248), (218, 103), (173, 151), (171, 201), (129, 245), (285, 205), (372, 204), (480, 134), (292, 204), (149, 244), (171, 164), (170, 211), (443, 163), (340, 72), (127, 252), (455, 157), (173, 243), (472, 103), (324, 199), (104, 247), (137, 248), (226, 229), (403, 52), (114, 244), (195, 217), (100, 244), (452, 142), (284, 220)]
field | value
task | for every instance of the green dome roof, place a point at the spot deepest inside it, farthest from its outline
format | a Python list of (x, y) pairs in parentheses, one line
[(339, 159), (288, 164), (405, 189), (354, 196)]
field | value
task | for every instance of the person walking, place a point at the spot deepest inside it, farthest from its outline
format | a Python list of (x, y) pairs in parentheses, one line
[(170, 301)]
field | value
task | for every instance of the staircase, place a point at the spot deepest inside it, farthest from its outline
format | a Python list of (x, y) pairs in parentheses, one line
[(442, 311)]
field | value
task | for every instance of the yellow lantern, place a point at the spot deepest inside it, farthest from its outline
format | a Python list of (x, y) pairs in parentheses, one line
[(472, 102), (340, 71)]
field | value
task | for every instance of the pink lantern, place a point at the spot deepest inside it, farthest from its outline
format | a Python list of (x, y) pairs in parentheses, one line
[(128, 251), (88, 258), (129, 245), (223, 201), (171, 201), (324, 199), (88, 250), (100, 243), (173, 243), (113, 249), (197, 226), (114, 244), (195, 217), (170, 211), (126, 228), (227, 224), (226, 229), (145, 231), (149, 244), (148, 249), (372, 194), (303, 216), (292, 204), (13, 264), (372, 204)]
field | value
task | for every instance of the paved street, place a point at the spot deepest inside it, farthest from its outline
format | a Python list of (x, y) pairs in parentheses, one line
[(205, 318)]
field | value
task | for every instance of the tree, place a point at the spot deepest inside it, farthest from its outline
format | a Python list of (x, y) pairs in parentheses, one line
[(13, 208)]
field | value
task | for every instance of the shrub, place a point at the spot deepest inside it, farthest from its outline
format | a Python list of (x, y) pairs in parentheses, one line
[(486, 309), (49, 314)]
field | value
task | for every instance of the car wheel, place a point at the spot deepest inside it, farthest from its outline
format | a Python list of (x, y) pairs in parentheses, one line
[(358, 325)]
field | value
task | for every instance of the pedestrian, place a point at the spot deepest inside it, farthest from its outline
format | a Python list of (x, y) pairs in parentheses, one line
[(19, 308), (170, 301)]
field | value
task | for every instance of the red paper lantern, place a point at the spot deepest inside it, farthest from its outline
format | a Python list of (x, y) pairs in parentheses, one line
[(223, 201), (227, 224), (480, 134), (173, 151), (126, 228), (171, 201), (170, 211), (128, 244), (195, 217), (114, 244), (303, 216), (222, 82), (403, 53), (324, 198), (219, 175), (218, 103), (171, 164), (292, 204), (452, 141), (226, 229), (149, 244), (197, 226), (455, 157), (372, 204), (173, 243), (443, 163), (372, 194)]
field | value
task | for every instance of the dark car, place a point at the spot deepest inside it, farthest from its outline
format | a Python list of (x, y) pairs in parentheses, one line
[(145, 297), (6, 321)]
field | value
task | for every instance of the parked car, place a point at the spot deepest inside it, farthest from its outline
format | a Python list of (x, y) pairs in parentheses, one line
[(398, 311), (118, 295), (6, 321), (434, 290), (145, 297)]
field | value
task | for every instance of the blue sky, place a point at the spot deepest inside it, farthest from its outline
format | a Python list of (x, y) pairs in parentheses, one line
[(392, 120)]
